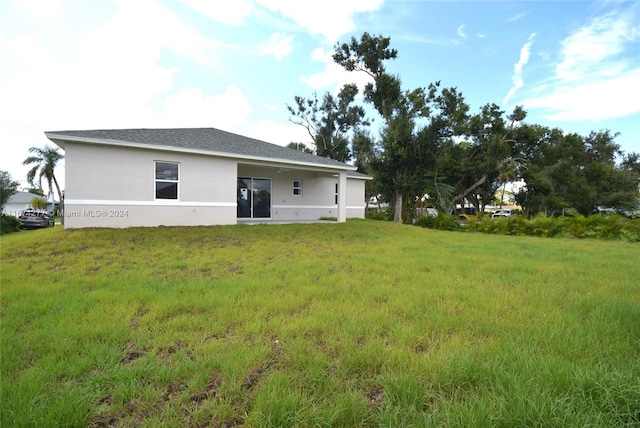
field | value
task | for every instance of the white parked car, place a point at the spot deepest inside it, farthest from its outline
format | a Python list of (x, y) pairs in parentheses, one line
[(421, 212), (501, 213)]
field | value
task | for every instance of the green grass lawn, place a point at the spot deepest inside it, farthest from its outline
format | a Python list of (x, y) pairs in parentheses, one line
[(358, 324)]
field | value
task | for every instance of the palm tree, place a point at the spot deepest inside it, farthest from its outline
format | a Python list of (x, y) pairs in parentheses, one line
[(508, 172), (44, 161)]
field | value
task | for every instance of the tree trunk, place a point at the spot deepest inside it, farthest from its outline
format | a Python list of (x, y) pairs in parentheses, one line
[(504, 186), (60, 198), (397, 206), (468, 190)]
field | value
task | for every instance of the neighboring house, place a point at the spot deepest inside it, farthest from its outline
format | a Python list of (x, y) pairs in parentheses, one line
[(17, 203), (198, 176), (21, 201)]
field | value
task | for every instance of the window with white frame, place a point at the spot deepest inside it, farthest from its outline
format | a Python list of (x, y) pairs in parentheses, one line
[(167, 179), (337, 193), (297, 187)]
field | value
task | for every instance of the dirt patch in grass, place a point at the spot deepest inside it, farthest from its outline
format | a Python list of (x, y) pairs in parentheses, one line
[(107, 420), (104, 419), (228, 423), (179, 345), (134, 324), (131, 356), (421, 348), (131, 353), (235, 268), (252, 378), (374, 396), (209, 391), (172, 391)]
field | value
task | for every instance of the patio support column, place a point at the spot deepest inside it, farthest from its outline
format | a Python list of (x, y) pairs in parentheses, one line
[(342, 197)]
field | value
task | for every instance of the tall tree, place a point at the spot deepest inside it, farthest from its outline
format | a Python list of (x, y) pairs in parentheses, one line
[(630, 171), (364, 156), (506, 175), (489, 155), (8, 188), (396, 164), (330, 120), (44, 162)]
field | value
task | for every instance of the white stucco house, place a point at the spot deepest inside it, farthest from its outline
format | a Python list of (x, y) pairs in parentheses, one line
[(17, 203), (198, 176), (21, 201)]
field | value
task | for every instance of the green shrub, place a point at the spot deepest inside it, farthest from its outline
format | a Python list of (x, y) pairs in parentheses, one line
[(518, 226), (632, 230), (611, 226), (427, 221), (384, 214), (9, 224), (549, 227), (579, 226), (440, 222)]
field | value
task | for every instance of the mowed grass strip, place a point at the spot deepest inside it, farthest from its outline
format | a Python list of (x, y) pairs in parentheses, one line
[(358, 324)]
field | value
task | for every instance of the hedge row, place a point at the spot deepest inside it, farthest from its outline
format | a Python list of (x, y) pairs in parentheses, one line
[(598, 226)]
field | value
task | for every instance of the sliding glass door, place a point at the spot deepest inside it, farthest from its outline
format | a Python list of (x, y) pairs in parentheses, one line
[(254, 197)]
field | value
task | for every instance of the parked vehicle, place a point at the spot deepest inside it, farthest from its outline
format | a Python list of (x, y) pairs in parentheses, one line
[(460, 212), (31, 219), (501, 213), (430, 211)]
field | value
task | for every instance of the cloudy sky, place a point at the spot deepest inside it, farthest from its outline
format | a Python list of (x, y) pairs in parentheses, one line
[(235, 65)]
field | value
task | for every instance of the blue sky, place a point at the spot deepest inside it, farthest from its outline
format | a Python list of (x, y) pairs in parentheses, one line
[(234, 65)]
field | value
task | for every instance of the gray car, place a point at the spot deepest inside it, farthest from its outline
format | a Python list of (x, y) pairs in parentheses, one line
[(502, 213), (31, 219)]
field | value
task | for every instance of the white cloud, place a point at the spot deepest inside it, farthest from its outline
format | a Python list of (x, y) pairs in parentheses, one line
[(322, 55), (588, 50), (43, 9), (124, 33), (278, 45), (278, 133), (591, 101), (228, 12), (517, 17), (331, 18), (518, 81), (332, 75), (192, 108), (111, 74), (460, 32), (597, 77)]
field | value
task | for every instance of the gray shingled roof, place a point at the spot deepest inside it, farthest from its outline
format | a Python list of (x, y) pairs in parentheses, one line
[(22, 198), (356, 174), (200, 139)]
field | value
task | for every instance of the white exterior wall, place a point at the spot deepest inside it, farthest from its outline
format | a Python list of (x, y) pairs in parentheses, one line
[(115, 187), (15, 209), (356, 203)]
